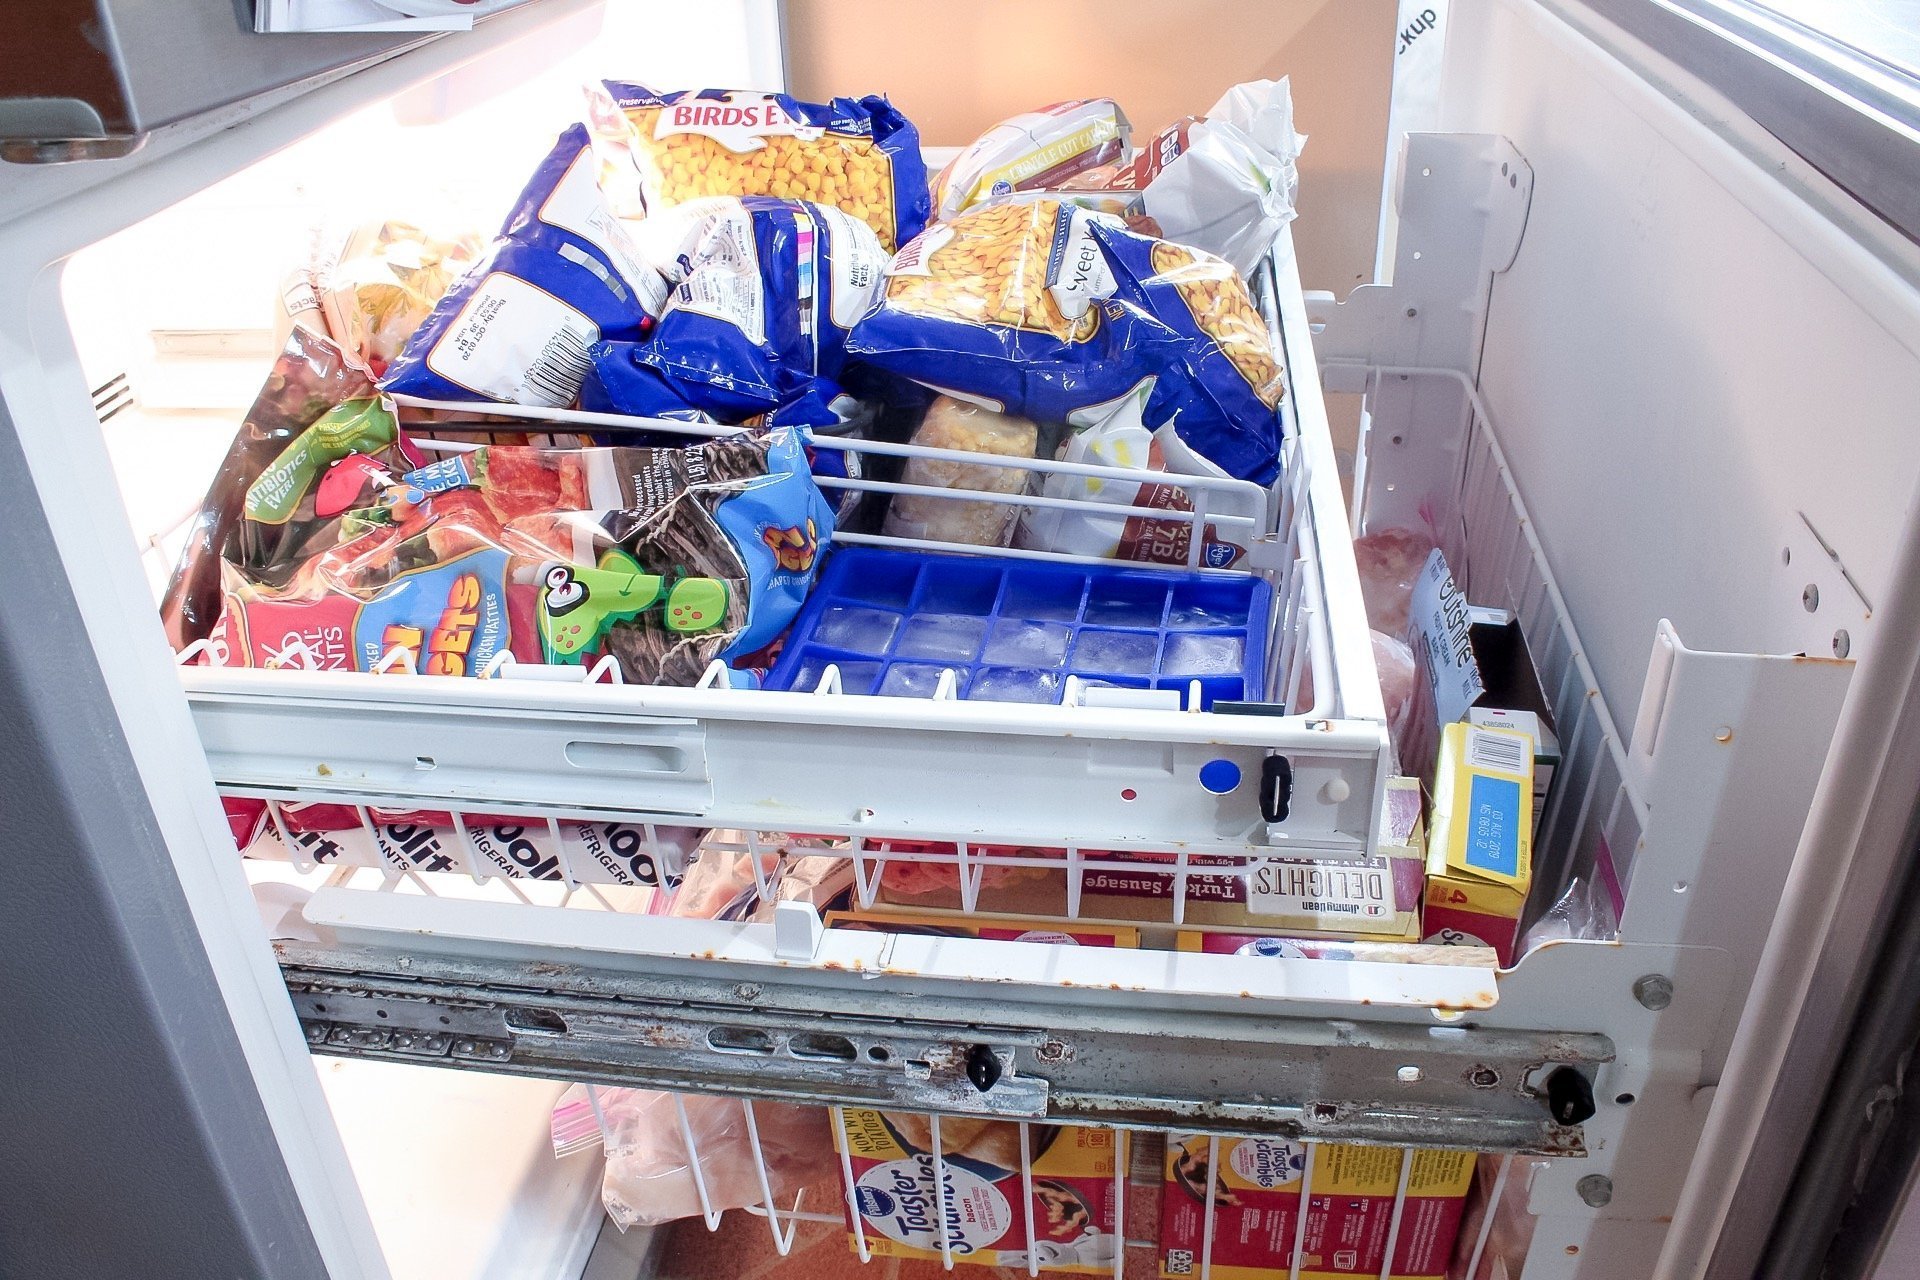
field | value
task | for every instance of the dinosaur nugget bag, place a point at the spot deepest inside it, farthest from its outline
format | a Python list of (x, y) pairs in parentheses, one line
[(665, 559)]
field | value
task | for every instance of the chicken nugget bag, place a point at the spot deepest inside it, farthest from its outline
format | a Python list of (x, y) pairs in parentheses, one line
[(665, 559), (761, 295), (1034, 150), (561, 276), (1060, 314), (858, 155)]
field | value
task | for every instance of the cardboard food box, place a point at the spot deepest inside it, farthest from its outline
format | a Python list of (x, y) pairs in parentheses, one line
[(1480, 854), (994, 929), (1256, 1209), (1376, 897), (983, 1211)]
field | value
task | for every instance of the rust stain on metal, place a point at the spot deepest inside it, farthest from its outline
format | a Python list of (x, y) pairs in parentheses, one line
[(1822, 659), (1664, 1219), (323, 770)]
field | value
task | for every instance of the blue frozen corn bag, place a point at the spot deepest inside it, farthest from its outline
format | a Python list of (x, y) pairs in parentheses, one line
[(1222, 395), (1060, 314), (662, 149), (761, 294), (561, 276), (1010, 305)]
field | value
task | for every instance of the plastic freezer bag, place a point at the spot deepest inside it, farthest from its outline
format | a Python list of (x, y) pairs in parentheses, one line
[(661, 149), (666, 559), (561, 276), (761, 294), (1033, 151), (1062, 315)]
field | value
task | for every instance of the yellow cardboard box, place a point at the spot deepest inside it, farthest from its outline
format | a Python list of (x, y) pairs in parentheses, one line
[(1480, 846)]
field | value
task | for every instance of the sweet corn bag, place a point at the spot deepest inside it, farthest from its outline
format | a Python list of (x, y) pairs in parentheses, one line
[(1061, 314), (561, 276), (761, 294), (660, 149)]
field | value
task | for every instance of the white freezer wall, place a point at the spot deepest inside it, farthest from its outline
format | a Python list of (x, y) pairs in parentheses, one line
[(1678, 374)]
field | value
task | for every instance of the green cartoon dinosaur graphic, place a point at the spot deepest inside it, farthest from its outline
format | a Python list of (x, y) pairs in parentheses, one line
[(578, 605)]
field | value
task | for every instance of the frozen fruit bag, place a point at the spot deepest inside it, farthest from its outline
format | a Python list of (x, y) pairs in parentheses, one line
[(1222, 393), (561, 276), (1031, 151), (1010, 306), (276, 495), (761, 294), (858, 155)]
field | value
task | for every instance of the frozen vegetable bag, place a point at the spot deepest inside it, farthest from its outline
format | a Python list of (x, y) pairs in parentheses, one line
[(860, 156), (761, 294), (1062, 315), (561, 276)]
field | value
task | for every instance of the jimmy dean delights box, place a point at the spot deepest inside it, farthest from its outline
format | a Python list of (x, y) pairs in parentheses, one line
[(994, 929), (1221, 942), (983, 1212), (1256, 1207), (1378, 897), (1480, 863)]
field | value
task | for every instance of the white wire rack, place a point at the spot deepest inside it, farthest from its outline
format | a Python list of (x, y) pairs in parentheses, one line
[(1136, 1171)]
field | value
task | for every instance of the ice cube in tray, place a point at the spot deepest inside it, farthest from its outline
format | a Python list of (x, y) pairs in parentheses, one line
[(1027, 644), (856, 629), (1204, 653), (1009, 684), (911, 680), (1120, 653), (953, 637)]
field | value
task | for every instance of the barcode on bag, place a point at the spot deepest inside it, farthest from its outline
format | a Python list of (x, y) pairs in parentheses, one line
[(1180, 1262), (555, 375), (1500, 752)]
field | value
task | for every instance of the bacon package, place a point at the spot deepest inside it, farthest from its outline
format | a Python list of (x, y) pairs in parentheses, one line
[(761, 294), (666, 559), (661, 149), (561, 276)]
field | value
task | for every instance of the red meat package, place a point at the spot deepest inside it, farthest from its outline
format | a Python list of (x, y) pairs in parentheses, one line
[(980, 1207), (1350, 1209)]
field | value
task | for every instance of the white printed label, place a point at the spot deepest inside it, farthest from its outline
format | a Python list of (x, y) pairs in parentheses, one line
[(902, 1200), (737, 121), (1324, 891), (1498, 752), (516, 342), (726, 285), (1077, 272), (1268, 1162), (1437, 622), (576, 205), (859, 265)]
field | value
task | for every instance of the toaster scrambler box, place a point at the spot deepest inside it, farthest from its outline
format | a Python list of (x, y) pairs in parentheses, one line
[(980, 1208), (1480, 847), (1349, 1209)]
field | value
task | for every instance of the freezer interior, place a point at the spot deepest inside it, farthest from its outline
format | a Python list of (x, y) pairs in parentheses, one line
[(1646, 398)]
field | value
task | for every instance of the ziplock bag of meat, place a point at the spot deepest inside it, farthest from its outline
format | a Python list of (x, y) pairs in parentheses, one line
[(761, 294), (271, 504), (560, 276), (664, 558)]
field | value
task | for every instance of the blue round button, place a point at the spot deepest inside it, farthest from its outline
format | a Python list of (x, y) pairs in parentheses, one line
[(1220, 776)]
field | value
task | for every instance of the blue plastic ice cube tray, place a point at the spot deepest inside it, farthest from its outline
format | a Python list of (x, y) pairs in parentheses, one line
[(1013, 630)]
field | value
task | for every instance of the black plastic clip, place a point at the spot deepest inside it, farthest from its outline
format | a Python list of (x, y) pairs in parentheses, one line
[(1276, 788)]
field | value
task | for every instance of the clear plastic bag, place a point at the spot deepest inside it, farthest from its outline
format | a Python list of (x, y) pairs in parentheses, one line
[(652, 1176)]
